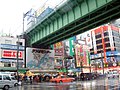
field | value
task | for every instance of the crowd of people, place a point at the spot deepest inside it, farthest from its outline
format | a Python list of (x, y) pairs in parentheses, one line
[(36, 78)]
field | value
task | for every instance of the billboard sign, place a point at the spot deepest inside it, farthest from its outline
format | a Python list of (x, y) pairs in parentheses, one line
[(40, 58)]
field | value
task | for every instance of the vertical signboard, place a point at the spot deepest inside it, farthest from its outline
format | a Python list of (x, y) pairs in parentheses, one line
[(69, 50), (110, 37), (94, 41), (83, 44), (59, 49), (77, 52), (72, 41), (59, 54), (88, 39)]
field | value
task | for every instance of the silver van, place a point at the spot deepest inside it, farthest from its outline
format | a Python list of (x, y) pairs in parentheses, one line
[(6, 81)]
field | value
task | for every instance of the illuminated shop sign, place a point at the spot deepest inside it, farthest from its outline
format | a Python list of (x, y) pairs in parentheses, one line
[(10, 60), (13, 47), (59, 49), (12, 54), (112, 53)]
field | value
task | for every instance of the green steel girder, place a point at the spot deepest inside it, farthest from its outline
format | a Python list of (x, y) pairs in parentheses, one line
[(81, 30), (83, 24), (57, 12), (66, 32)]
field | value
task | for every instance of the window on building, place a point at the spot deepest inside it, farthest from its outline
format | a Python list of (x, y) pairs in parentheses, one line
[(99, 47), (91, 53), (106, 39), (0, 77), (98, 51), (107, 45), (9, 65), (117, 44), (109, 49), (99, 41), (6, 64), (20, 43), (98, 36), (115, 33), (106, 34), (8, 42), (116, 39), (91, 49)]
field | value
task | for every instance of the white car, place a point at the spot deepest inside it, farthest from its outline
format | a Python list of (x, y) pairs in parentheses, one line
[(16, 83), (113, 74), (6, 82)]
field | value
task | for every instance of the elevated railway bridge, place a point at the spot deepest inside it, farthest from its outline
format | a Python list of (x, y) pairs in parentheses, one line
[(71, 18)]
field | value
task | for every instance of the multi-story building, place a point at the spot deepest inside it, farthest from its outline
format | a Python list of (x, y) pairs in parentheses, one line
[(9, 49), (106, 46)]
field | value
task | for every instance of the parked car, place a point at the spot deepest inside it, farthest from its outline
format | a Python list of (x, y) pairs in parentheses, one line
[(47, 77), (88, 76), (62, 79), (16, 83), (113, 74), (6, 82)]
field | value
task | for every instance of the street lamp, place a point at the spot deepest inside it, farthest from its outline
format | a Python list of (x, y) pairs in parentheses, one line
[(24, 33)]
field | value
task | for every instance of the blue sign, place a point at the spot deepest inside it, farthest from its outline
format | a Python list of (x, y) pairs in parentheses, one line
[(10, 60), (112, 53), (11, 47)]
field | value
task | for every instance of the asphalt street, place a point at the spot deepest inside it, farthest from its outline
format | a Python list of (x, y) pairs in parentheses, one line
[(99, 84)]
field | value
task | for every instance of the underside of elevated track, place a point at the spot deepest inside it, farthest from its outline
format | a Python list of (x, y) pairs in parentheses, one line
[(72, 18)]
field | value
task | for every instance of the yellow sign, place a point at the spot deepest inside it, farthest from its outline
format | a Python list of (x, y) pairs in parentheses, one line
[(40, 10)]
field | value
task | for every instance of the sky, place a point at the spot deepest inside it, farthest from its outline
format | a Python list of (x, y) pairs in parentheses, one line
[(11, 13)]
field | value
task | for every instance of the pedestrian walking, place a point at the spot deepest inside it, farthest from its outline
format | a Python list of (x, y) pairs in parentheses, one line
[(31, 79)]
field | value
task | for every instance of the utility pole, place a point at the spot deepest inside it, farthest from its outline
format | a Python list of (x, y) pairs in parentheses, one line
[(102, 62), (24, 37), (17, 58)]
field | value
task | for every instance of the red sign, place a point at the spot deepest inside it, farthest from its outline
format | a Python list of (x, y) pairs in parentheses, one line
[(12, 54)]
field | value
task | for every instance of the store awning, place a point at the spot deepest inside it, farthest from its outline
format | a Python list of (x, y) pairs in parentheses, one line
[(13, 69), (42, 71), (22, 70), (8, 69)]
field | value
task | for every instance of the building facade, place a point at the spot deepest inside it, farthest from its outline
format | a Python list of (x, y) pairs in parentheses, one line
[(106, 46), (100, 48), (9, 48)]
